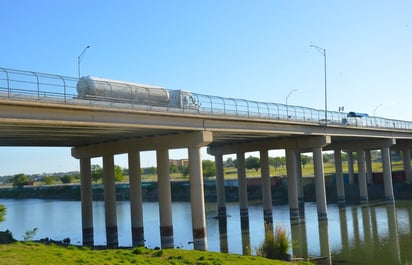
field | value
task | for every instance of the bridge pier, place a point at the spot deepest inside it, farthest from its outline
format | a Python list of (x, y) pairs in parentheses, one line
[(351, 171), (368, 163), (86, 202), (197, 199), (136, 201), (110, 201), (320, 184), (266, 187), (292, 184), (387, 174), (301, 199), (220, 187), (340, 186), (363, 186), (243, 200), (165, 199)]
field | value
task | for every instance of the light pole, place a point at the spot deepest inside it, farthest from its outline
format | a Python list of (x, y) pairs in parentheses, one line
[(79, 59), (323, 52), (374, 110), (287, 108)]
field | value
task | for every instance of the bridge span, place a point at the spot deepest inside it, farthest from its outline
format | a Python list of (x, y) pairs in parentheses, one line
[(39, 109)]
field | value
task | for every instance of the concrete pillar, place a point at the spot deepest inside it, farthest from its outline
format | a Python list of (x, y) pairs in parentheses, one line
[(220, 187), (363, 186), (87, 202), (387, 174), (340, 185), (224, 245), (165, 199), (136, 201), (368, 161), (350, 168), (266, 187), (241, 176), (110, 201), (320, 184), (197, 199), (292, 184), (324, 242), (406, 154), (301, 199)]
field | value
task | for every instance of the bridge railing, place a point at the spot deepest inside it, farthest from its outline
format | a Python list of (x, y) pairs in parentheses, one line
[(27, 85)]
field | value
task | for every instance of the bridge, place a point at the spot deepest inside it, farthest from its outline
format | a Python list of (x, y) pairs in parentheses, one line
[(38, 109)]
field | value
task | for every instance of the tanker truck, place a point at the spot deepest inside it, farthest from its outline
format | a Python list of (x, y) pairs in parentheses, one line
[(95, 88)]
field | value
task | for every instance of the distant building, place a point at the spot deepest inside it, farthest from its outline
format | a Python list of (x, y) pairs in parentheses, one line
[(179, 162)]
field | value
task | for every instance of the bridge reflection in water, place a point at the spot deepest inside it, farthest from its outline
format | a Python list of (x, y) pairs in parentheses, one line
[(358, 234)]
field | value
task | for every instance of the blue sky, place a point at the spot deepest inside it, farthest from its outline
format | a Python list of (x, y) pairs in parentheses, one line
[(257, 50)]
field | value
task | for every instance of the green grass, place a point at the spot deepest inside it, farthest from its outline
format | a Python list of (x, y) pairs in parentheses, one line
[(36, 253)]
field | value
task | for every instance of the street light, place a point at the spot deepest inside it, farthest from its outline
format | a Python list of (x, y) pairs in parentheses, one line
[(80, 57), (374, 110), (287, 108), (323, 52)]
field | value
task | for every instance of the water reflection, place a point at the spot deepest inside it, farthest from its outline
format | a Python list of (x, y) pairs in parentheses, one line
[(378, 234)]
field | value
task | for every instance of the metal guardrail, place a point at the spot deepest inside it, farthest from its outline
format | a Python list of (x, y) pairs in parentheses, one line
[(27, 85)]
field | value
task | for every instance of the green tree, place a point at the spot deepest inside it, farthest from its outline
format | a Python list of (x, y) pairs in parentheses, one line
[(3, 211), (48, 180), (173, 169), (305, 159), (66, 179), (20, 180), (229, 162), (252, 162), (118, 173), (209, 168), (97, 173)]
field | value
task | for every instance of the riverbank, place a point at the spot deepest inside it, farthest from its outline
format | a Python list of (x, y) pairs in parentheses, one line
[(181, 191), (37, 253)]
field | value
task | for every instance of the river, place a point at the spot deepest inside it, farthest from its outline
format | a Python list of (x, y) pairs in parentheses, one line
[(378, 234)]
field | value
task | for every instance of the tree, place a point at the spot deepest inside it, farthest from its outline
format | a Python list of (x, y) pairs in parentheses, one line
[(20, 180), (229, 162), (97, 173), (252, 162), (66, 179), (48, 180), (173, 169), (209, 168), (118, 173), (305, 159), (3, 211)]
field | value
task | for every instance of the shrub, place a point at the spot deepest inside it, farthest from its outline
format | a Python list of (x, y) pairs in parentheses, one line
[(275, 245)]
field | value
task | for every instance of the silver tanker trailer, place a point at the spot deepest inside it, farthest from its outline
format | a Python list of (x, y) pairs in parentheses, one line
[(96, 88)]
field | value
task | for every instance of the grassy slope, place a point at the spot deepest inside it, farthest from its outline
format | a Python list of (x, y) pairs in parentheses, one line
[(36, 253)]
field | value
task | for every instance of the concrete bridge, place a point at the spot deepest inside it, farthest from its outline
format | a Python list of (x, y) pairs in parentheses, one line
[(38, 109)]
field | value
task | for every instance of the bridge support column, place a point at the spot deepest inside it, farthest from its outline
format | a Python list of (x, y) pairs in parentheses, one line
[(368, 162), (197, 199), (136, 201), (406, 154), (110, 201), (87, 202), (243, 200), (292, 184), (350, 168), (220, 187), (301, 199), (165, 199), (340, 185), (320, 184), (387, 174), (363, 186), (266, 187)]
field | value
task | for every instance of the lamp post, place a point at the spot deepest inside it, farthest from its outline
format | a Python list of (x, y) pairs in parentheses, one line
[(287, 108), (374, 110), (79, 59), (323, 52)]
